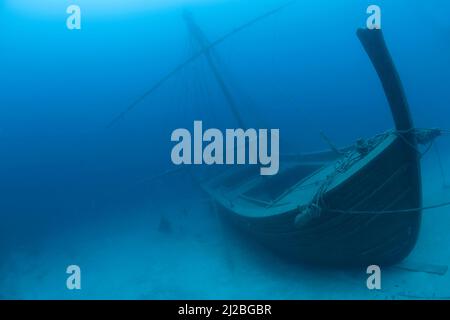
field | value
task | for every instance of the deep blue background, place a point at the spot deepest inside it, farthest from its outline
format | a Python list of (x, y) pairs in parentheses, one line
[(302, 71)]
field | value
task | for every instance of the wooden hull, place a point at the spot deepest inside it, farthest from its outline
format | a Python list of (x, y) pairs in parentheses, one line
[(391, 181), (338, 211)]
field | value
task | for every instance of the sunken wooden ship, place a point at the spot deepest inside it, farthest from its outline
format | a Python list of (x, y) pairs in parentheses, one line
[(354, 206), (358, 205)]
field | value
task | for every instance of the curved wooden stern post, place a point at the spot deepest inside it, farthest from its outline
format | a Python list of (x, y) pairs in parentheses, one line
[(376, 48)]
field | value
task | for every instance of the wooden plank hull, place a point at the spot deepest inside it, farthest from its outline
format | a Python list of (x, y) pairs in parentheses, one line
[(348, 211), (391, 181)]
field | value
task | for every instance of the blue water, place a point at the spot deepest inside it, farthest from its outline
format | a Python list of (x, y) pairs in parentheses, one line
[(73, 191)]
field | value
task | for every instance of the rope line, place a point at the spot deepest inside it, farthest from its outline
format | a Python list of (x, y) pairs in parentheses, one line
[(194, 57), (425, 208), (424, 136)]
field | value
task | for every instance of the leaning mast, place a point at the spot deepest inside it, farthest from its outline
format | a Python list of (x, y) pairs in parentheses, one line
[(206, 47)]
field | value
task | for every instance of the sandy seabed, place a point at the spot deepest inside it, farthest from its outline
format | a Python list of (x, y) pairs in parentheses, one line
[(130, 257)]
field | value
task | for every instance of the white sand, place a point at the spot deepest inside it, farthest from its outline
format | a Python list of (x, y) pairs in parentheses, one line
[(127, 258)]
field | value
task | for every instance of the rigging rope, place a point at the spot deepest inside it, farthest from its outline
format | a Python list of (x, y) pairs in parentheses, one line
[(441, 166), (194, 57), (425, 136), (412, 210)]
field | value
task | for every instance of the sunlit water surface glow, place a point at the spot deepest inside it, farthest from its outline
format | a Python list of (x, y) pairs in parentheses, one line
[(97, 7)]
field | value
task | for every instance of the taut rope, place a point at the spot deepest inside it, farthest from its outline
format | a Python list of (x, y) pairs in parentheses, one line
[(424, 136)]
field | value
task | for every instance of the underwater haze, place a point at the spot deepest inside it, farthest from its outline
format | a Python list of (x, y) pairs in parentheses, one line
[(76, 191)]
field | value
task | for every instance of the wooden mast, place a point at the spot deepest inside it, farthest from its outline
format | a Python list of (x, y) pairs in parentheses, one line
[(197, 55), (206, 47)]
